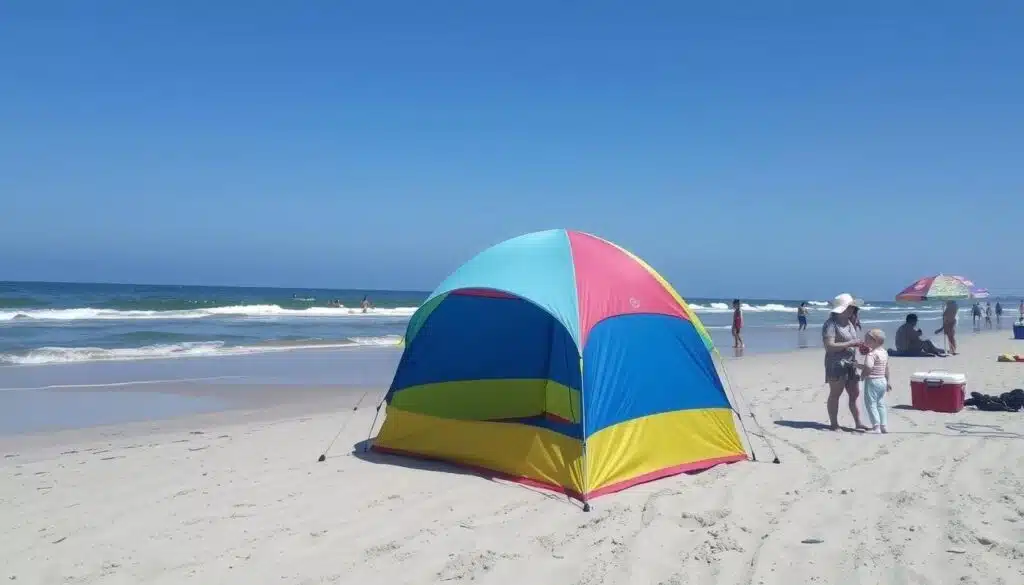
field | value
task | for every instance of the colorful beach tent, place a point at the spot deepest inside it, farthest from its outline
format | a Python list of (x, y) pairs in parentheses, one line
[(560, 360)]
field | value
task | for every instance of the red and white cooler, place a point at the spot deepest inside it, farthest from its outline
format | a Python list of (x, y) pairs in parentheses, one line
[(938, 391)]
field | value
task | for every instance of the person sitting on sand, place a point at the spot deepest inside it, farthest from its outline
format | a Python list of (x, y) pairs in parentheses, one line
[(841, 342), (910, 343)]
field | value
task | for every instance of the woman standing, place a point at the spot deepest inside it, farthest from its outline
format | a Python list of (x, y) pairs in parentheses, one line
[(839, 336), (801, 316), (737, 324), (949, 325)]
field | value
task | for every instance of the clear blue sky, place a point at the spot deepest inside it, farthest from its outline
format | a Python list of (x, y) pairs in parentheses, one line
[(772, 149)]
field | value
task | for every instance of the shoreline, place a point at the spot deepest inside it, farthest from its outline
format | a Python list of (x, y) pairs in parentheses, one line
[(41, 399), (148, 391), (772, 339)]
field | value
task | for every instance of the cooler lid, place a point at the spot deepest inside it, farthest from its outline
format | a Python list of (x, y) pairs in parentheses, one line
[(939, 376)]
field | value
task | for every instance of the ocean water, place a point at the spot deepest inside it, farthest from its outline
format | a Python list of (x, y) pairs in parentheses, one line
[(59, 323), (46, 323)]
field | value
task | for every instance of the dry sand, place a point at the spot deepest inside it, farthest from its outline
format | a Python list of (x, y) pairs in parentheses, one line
[(237, 498)]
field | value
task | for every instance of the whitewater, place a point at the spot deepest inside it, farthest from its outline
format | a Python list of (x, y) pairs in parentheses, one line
[(90, 313), (55, 323)]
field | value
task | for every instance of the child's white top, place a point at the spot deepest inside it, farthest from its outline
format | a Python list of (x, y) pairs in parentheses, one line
[(876, 362)]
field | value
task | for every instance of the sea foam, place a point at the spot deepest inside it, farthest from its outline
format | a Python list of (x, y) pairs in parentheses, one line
[(766, 308), (94, 314), (65, 355)]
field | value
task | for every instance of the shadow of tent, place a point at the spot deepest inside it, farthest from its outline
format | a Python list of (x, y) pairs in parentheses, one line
[(362, 451)]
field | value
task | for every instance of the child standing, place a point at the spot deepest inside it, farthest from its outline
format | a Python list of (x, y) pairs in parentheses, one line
[(737, 324), (876, 379)]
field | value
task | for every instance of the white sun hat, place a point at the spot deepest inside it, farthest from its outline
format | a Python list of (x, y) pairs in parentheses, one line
[(843, 302)]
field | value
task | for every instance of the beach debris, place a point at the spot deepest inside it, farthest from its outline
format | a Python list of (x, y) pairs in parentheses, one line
[(812, 541), (956, 551), (60, 540)]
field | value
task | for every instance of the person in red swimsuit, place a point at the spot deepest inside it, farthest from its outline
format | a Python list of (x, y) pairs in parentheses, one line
[(737, 324)]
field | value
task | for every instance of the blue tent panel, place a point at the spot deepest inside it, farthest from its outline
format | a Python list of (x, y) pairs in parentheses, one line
[(640, 365), (484, 338)]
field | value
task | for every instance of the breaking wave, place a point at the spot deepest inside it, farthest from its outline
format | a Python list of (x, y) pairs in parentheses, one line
[(265, 311), (66, 355), (766, 308)]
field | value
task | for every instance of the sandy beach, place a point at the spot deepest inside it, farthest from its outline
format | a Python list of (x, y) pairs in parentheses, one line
[(239, 497)]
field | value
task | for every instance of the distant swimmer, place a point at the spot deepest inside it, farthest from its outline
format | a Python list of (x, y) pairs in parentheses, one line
[(335, 303), (365, 304)]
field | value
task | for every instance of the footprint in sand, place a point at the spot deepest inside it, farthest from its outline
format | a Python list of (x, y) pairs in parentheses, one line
[(472, 566)]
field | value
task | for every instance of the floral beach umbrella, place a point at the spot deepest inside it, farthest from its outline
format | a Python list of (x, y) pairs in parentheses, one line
[(941, 287)]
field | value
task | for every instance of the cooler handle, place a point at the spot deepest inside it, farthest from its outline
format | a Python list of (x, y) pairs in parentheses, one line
[(933, 383)]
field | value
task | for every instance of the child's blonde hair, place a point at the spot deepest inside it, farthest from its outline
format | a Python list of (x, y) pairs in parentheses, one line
[(877, 335)]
